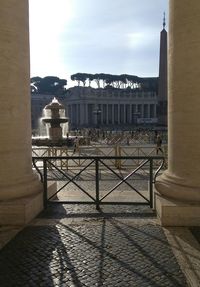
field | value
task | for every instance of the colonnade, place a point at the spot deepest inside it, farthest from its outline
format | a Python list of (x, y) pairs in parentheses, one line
[(109, 114), (178, 189)]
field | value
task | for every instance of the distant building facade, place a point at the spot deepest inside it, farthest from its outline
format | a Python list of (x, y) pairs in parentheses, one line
[(88, 107), (110, 108)]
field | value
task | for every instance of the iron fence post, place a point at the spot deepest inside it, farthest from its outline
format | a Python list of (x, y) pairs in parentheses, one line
[(45, 183), (151, 182), (97, 182)]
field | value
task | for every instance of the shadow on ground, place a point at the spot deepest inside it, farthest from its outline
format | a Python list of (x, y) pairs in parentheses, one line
[(59, 211), (103, 252)]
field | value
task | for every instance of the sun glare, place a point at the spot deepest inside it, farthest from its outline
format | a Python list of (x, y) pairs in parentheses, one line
[(48, 19)]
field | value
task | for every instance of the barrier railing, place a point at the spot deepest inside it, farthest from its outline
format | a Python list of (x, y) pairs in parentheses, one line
[(109, 151), (100, 167)]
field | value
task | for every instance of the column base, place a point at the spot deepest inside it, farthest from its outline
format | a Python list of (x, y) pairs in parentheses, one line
[(177, 188), (171, 212), (20, 211)]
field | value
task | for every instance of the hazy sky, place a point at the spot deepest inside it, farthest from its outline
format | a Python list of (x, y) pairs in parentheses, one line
[(95, 36)]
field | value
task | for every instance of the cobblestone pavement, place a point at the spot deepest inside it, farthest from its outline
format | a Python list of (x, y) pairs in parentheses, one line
[(78, 246)]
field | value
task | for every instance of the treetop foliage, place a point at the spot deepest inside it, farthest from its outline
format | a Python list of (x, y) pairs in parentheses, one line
[(123, 81), (48, 85), (56, 86)]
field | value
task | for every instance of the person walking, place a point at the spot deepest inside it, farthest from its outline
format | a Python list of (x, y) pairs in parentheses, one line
[(76, 145), (158, 144)]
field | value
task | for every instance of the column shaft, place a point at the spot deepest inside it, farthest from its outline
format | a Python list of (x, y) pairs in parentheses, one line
[(17, 179), (182, 180)]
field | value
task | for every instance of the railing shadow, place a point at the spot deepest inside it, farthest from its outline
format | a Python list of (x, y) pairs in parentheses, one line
[(67, 211), (103, 252)]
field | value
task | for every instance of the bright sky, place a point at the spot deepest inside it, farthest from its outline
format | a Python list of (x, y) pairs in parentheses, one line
[(95, 36)]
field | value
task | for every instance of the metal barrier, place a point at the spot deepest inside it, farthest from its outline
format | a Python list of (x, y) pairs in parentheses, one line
[(129, 137), (100, 166), (108, 151)]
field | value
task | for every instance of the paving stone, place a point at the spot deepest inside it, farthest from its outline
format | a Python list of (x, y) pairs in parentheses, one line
[(104, 252)]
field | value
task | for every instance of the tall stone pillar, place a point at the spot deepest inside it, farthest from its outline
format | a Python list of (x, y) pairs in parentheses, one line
[(178, 202), (81, 114), (130, 115), (107, 117), (118, 113), (78, 115), (86, 114), (20, 189), (162, 83), (113, 117), (124, 110)]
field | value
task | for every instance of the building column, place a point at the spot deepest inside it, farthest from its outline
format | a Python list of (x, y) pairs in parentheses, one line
[(124, 108), (154, 112), (20, 189), (130, 115), (178, 202), (100, 107), (113, 117), (82, 110), (75, 115), (118, 116), (148, 110), (78, 115), (106, 113), (142, 110), (86, 114)]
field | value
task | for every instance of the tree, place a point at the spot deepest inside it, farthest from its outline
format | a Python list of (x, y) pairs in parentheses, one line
[(123, 81), (97, 80), (80, 77), (48, 85), (90, 78), (149, 84), (34, 84)]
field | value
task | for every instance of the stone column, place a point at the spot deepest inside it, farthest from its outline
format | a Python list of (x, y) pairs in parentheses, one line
[(154, 112), (148, 110), (124, 111), (113, 119), (99, 107), (180, 184), (81, 108), (86, 114), (19, 186), (77, 109), (142, 110), (130, 115), (107, 114), (118, 112)]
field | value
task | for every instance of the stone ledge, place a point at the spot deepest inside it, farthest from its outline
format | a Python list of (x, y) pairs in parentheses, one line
[(20, 211), (176, 213)]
